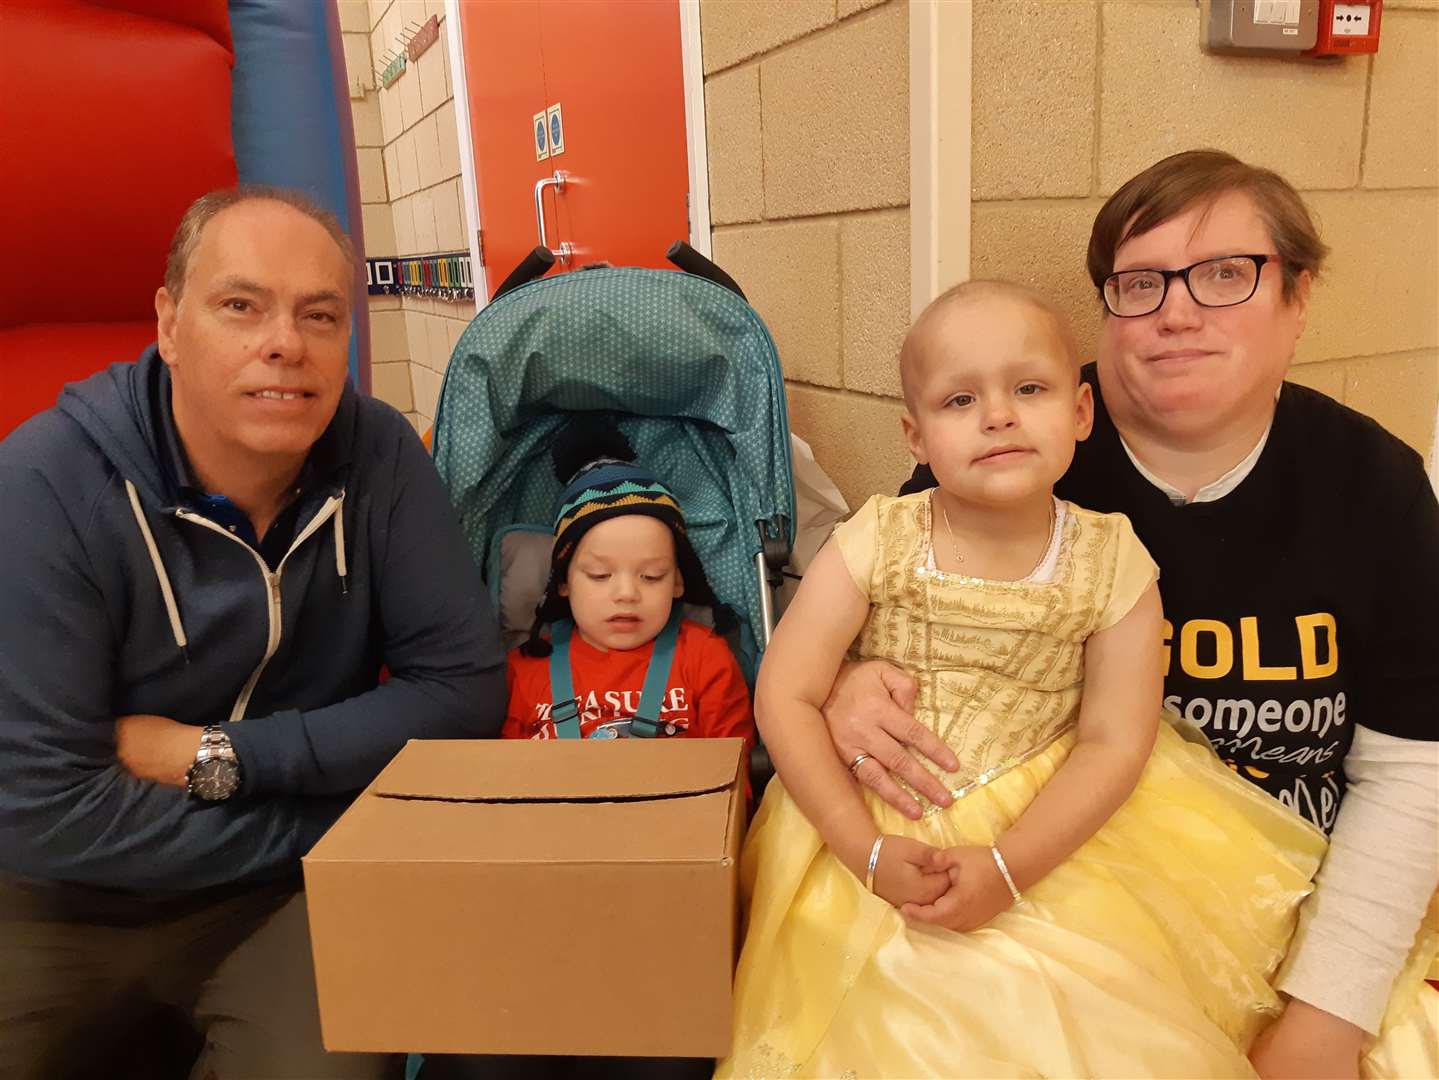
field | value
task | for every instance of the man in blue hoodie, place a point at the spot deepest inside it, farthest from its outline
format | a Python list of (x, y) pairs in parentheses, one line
[(205, 559)]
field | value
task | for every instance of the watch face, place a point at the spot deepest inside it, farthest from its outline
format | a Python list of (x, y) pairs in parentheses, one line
[(214, 780)]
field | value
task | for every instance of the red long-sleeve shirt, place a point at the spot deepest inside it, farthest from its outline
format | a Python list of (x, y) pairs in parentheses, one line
[(706, 695)]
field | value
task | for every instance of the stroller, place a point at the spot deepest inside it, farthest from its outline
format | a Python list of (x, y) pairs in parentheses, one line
[(686, 369), (689, 373)]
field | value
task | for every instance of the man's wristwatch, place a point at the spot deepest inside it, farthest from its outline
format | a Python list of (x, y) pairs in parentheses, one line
[(216, 773)]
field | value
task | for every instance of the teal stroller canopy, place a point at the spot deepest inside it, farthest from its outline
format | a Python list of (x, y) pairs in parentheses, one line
[(687, 370)]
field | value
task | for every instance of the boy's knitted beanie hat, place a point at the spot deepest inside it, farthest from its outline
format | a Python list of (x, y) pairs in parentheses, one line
[(597, 465)]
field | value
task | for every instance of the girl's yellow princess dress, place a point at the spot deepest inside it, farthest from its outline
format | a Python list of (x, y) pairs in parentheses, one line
[(1149, 952)]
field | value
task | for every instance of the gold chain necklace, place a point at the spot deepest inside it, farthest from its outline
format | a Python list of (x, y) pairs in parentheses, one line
[(954, 540)]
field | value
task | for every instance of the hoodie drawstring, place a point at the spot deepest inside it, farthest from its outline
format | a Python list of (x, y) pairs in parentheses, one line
[(171, 608), (340, 568)]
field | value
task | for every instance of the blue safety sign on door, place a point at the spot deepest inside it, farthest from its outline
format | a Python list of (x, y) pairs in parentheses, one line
[(556, 130), (542, 136)]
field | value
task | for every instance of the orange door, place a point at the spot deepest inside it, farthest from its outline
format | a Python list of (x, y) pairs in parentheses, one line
[(615, 71)]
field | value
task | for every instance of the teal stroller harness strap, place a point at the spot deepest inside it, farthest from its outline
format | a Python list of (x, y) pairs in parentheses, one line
[(565, 712)]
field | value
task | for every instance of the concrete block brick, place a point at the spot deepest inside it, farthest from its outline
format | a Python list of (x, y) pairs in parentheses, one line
[(1402, 147), (389, 337), (391, 384), (1327, 377), (412, 106), (412, 12), (790, 273), (385, 41), (856, 439), (1162, 93), (426, 388), (359, 72), (423, 204), (404, 214), (391, 122), (874, 287), (438, 332), (384, 302), (448, 135), (1380, 289), (377, 9), (391, 23), (734, 30), (365, 117), (457, 324), (1041, 244), (390, 155), (1033, 133), (427, 151), (371, 168), (449, 222), (421, 424), (1398, 391), (379, 224), (835, 114), (408, 161), (430, 69), (732, 131), (1413, 5), (354, 16), (417, 336)]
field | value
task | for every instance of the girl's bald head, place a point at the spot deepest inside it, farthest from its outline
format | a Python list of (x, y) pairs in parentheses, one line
[(972, 299)]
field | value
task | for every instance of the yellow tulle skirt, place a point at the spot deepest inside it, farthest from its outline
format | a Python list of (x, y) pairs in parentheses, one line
[(1148, 953)]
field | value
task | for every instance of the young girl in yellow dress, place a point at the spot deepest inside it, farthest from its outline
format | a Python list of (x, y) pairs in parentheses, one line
[(1103, 898)]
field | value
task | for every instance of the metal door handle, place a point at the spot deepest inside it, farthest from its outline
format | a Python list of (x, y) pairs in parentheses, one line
[(566, 250)]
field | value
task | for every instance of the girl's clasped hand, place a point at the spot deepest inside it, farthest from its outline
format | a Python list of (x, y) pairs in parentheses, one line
[(959, 888)]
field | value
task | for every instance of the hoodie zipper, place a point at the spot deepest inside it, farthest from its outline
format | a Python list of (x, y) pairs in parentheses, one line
[(333, 505)]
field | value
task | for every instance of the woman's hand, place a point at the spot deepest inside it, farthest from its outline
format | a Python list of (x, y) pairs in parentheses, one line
[(870, 712), (1306, 1043), (976, 891), (906, 873)]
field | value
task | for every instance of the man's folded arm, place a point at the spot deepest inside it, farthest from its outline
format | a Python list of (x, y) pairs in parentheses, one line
[(68, 811), (441, 645)]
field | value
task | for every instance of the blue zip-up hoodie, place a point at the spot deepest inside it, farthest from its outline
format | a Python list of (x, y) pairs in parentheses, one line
[(114, 599)]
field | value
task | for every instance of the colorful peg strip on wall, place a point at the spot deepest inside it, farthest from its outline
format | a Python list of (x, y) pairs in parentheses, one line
[(443, 277)]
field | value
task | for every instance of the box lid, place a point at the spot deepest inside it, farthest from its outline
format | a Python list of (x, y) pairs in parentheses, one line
[(560, 770), (526, 802)]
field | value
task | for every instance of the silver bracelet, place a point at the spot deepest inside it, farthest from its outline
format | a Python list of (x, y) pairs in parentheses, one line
[(873, 862), (1004, 870)]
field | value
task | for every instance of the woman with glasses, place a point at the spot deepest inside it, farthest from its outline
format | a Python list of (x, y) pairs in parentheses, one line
[(1298, 543)]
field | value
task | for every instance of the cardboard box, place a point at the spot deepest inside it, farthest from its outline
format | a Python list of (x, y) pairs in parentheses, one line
[(548, 897)]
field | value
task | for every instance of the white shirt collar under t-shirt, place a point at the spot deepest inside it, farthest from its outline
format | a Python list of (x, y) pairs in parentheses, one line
[(1209, 492)]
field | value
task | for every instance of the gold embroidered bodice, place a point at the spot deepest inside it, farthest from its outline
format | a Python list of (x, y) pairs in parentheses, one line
[(1000, 664)]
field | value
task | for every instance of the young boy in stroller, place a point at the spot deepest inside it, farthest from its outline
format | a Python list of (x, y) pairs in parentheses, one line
[(689, 373), (620, 659)]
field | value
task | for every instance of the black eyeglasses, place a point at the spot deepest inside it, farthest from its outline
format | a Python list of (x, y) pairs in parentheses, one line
[(1216, 283)]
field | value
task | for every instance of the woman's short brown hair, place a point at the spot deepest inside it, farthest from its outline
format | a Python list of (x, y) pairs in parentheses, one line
[(1197, 177)]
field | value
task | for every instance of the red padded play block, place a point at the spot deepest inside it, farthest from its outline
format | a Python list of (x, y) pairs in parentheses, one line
[(37, 360), (117, 115)]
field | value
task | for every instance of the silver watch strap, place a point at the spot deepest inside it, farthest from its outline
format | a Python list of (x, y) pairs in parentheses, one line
[(214, 743)]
